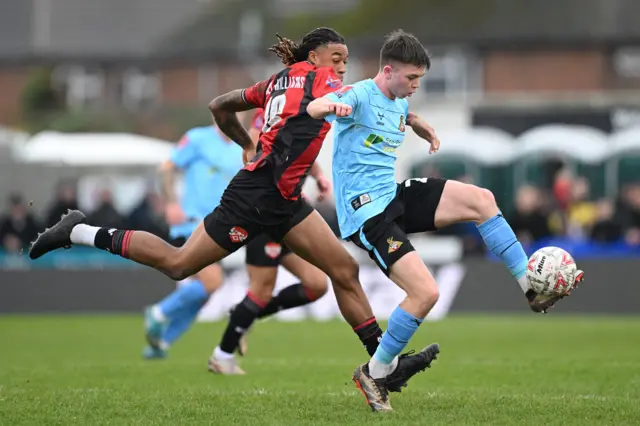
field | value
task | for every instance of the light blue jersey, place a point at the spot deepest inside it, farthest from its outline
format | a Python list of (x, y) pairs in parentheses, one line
[(209, 163), (364, 153)]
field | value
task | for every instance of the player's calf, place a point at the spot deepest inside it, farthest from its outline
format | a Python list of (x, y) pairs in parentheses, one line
[(412, 275), (241, 318), (313, 240), (462, 202), (313, 285), (141, 247)]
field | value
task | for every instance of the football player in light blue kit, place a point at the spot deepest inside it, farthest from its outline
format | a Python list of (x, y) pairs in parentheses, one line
[(209, 160), (377, 214)]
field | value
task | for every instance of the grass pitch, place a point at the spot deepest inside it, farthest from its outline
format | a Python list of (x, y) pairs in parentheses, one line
[(538, 370)]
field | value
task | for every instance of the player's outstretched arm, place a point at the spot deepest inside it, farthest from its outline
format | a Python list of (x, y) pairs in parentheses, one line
[(322, 107), (224, 109), (424, 130)]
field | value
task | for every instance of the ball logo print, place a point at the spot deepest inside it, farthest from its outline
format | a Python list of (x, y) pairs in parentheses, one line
[(238, 234)]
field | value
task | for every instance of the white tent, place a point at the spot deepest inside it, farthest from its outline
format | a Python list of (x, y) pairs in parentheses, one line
[(624, 141), (93, 149), (482, 145), (582, 143)]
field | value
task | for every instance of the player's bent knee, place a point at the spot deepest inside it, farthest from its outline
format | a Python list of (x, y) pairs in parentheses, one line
[(315, 283), (262, 284), (263, 293), (211, 277), (426, 297), (484, 203)]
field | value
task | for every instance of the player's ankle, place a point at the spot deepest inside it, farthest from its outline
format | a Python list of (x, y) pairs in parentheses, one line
[(218, 353), (157, 314), (84, 234), (115, 241), (378, 369)]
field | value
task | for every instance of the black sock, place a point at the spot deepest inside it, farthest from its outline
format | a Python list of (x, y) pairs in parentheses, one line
[(241, 319), (115, 241), (290, 297), (370, 334)]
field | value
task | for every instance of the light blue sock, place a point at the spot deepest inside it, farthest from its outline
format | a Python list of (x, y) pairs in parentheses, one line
[(182, 323), (402, 326), (500, 239), (182, 299)]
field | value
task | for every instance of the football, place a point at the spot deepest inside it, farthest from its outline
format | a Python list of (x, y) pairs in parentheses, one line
[(551, 271)]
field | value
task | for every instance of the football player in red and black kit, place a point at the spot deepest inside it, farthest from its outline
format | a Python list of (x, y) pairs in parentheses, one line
[(262, 259), (265, 195)]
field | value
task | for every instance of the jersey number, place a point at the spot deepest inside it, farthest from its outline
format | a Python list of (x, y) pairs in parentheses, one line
[(273, 111), (407, 183)]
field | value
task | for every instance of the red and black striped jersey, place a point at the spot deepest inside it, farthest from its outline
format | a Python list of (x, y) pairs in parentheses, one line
[(291, 139)]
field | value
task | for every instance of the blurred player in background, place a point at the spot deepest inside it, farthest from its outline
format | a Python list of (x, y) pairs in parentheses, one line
[(265, 196), (208, 160), (376, 213)]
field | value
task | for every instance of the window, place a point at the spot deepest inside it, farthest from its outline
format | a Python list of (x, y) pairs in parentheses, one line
[(83, 87), (626, 62), (140, 88), (454, 73)]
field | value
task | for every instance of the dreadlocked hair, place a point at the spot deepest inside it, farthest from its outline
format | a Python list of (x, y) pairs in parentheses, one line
[(291, 52)]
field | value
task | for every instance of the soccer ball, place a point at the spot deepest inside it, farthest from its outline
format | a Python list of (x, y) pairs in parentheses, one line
[(551, 271)]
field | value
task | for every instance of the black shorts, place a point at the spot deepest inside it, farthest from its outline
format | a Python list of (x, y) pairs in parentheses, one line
[(263, 251), (413, 210), (252, 205)]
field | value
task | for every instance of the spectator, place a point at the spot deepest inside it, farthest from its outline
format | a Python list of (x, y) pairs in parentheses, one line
[(13, 258), (606, 229), (65, 200), (529, 221), (106, 214), (629, 214), (18, 224), (148, 216), (581, 213)]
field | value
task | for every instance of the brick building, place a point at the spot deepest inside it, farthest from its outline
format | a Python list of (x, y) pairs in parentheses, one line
[(154, 54)]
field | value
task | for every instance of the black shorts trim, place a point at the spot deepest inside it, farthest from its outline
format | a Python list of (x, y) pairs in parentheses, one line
[(385, 242)]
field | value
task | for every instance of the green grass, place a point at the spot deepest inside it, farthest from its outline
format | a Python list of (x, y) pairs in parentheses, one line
[(537, 370)]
